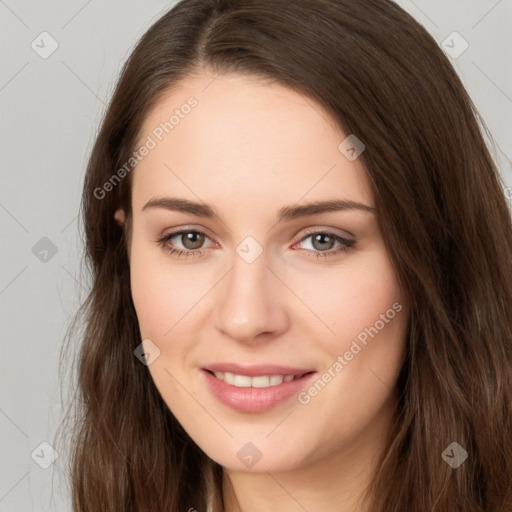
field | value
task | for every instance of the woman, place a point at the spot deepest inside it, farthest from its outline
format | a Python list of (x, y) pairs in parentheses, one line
[(300, 252)]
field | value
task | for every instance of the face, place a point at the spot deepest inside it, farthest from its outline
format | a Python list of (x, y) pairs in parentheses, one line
[(276, 330)]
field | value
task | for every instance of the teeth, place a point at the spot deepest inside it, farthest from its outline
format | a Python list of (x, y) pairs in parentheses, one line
[(262, 381)]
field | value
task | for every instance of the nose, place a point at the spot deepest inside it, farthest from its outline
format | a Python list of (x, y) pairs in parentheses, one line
[(251, 305)]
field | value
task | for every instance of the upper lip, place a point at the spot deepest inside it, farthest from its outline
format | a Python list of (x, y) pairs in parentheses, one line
[(256, 370)]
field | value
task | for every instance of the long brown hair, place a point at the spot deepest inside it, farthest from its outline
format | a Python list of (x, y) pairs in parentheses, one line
[(442, 213)]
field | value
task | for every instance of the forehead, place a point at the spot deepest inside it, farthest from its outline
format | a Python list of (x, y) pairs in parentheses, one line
[(244, 140)]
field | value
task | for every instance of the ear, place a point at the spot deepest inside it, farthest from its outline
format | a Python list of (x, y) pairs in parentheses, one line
[(120, 216)]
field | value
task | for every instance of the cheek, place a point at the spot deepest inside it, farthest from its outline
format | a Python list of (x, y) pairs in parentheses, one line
[(364, 308), (349, 299), (160, 297)]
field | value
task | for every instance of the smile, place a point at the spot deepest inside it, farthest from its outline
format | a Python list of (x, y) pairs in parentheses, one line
[(256, 393), (262, 381)]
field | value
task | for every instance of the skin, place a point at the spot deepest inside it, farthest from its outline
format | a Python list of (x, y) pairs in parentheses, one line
[(250, 148)]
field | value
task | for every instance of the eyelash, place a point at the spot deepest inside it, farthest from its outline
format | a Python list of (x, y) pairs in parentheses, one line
[(343, 248)]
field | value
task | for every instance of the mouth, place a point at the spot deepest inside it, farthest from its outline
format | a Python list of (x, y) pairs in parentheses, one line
[(259, 381), (264, 389)]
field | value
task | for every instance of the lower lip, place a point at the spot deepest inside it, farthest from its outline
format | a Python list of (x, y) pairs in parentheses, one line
[(254, 399)]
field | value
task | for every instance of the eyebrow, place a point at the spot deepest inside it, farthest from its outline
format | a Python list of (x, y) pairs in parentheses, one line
[(287, 213)]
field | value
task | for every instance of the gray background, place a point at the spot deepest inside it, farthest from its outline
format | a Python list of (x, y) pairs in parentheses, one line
[(50, 110)]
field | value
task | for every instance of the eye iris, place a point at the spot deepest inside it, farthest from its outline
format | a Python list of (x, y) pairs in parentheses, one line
[(192, 240), (320, 237)]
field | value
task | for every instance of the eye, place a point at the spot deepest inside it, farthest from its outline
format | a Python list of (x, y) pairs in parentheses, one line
[(191, 241), (323, 243)]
